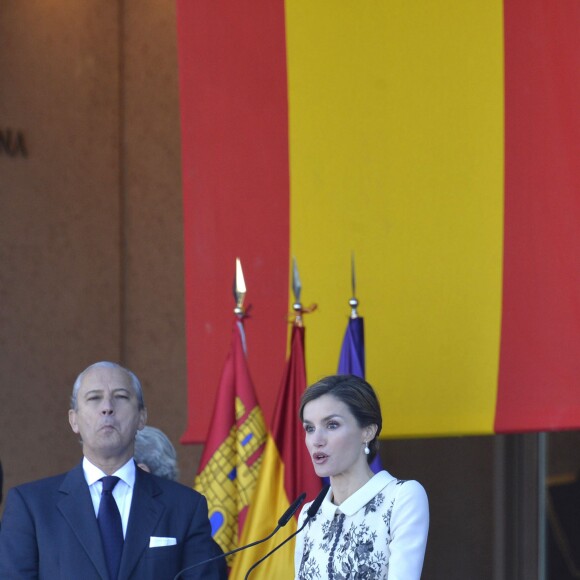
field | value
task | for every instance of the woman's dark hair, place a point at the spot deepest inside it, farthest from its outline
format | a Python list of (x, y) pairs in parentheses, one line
[(357, 395)]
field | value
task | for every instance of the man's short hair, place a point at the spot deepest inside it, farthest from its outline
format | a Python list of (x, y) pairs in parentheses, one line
[(107, 365)]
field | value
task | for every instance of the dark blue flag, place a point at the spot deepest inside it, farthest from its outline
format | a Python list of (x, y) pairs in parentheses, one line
[(352, 360), (352, 353)]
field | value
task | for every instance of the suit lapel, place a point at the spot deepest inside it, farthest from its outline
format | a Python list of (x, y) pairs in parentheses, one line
[(143, 517), (77, 509)]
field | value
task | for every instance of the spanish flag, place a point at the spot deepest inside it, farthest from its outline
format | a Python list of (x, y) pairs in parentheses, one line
[(439, 142), (232, 455), (286, 472)]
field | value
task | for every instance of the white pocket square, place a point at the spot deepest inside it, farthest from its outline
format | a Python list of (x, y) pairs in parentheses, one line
[(156, 542)]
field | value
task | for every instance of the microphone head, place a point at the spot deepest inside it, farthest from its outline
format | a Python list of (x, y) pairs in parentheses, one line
[(315, 505), (287, 515)]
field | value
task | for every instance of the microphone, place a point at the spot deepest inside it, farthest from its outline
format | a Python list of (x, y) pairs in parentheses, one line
[(287, 515), (284, 519), (310, 513)]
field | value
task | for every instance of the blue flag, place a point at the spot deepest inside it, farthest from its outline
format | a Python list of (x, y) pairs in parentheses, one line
[(352, 360), (352, 353)]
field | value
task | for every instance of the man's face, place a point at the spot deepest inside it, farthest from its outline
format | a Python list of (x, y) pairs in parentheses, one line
[(107, 415)]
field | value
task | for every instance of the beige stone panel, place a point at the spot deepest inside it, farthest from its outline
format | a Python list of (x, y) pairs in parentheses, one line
[(59, 222)]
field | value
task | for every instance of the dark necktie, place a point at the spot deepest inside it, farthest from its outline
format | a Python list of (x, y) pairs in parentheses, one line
[(110, 526)]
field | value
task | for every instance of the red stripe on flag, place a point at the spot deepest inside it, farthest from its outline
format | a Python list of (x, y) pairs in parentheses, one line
[(234, 120), (539, 376)]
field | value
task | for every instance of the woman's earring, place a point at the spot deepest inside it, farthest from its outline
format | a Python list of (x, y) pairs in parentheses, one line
[(367, 450)]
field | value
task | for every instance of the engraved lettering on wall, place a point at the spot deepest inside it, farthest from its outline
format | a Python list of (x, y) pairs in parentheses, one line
[(12, 143)]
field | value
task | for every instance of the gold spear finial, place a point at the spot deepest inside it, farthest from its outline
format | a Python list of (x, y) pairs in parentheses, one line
[(297, 307), (239, 290), (297, 290)]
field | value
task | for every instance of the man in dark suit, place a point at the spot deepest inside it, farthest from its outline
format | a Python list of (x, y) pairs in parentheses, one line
[(64, 527)]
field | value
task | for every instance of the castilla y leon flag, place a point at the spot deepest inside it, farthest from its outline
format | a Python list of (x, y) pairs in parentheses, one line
[(438, 141), (232, 454), (286, 472)]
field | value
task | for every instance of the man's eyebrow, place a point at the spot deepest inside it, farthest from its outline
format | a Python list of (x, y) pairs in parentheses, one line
[(100, 391)]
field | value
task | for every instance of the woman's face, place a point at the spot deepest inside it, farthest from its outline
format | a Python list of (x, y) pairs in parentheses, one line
[(333, 437)]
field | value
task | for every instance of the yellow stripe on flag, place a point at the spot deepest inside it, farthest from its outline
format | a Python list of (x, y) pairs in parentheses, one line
[(269, 503), (396, 153)]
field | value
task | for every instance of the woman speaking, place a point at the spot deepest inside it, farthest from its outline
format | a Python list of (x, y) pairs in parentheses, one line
[(368, 526)]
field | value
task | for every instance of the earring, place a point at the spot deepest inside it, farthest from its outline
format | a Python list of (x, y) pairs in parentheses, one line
[(367, 450)]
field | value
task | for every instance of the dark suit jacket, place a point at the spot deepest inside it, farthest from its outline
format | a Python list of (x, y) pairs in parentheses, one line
[(50, 532)]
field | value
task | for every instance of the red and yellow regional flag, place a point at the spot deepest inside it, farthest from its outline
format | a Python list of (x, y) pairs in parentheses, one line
[(232, 455)]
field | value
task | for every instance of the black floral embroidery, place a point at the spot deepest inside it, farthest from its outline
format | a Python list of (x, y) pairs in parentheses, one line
[(352, 556), (387, 517), (308, 566), (339, 522), (350, 548), (357, 555), (374, 504), (329, 530)]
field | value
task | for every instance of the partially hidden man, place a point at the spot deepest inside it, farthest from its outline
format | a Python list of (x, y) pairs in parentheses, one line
[(106, 519)]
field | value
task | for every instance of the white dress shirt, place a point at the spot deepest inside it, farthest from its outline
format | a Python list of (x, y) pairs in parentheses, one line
[(122, 492)]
